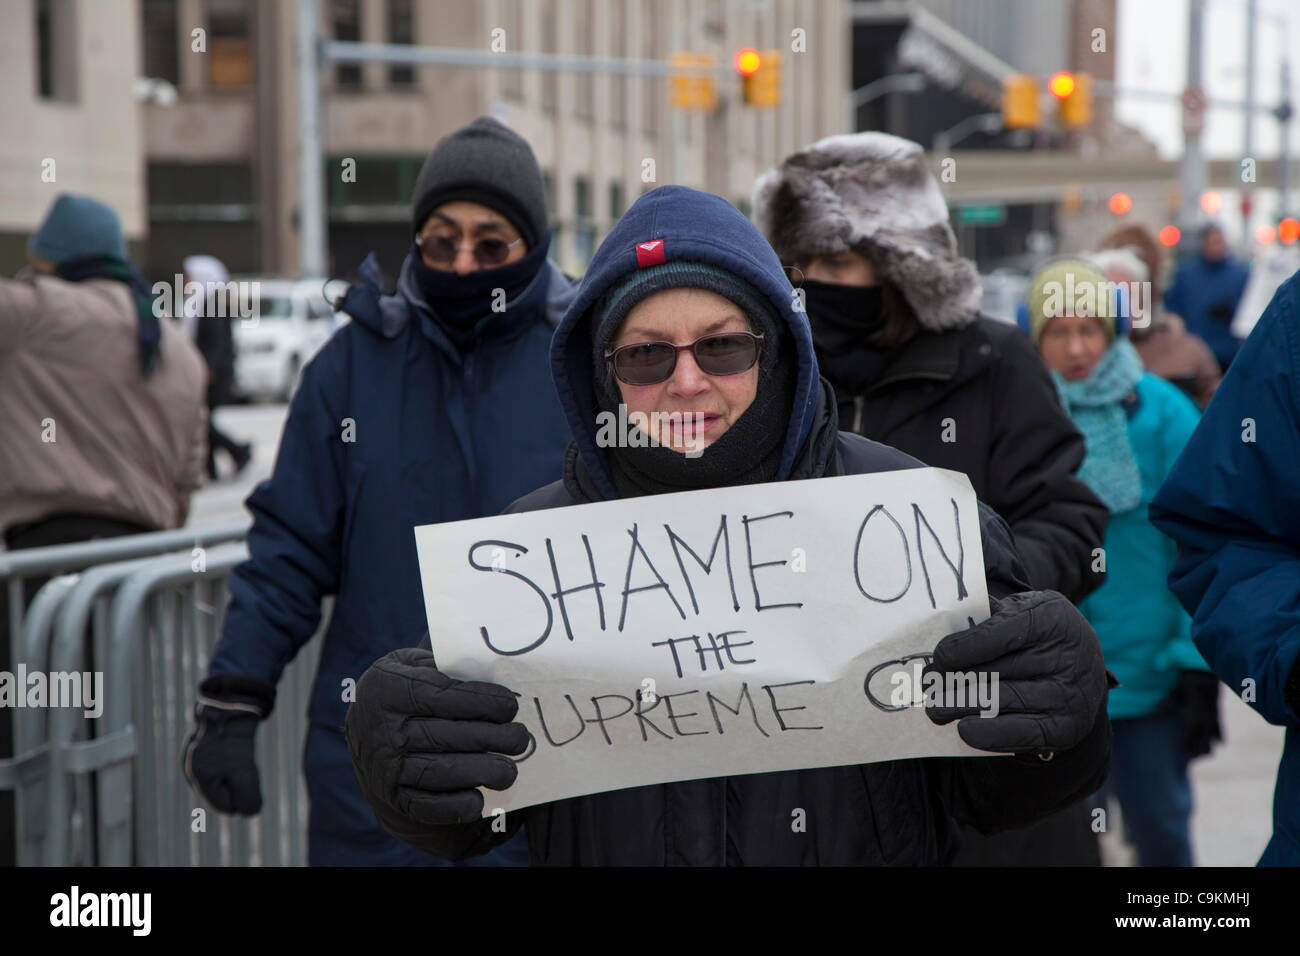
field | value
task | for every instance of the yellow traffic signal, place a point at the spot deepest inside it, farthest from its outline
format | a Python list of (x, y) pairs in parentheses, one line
[(1073, 92), (760, 76), (1020, 102), (693, 89)]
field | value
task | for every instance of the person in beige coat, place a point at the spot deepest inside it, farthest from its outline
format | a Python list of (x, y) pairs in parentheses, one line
[(102, 413), (103, 419)]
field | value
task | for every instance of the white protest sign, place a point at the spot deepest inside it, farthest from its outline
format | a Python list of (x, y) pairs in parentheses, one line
[(707, 633)]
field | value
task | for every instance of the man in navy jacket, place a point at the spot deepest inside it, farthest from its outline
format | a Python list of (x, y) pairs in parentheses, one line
[(1231, 503), (434, 404)]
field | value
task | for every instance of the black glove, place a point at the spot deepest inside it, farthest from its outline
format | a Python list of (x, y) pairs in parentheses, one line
[(1197, 696), (1051, 679), (218, 758), (421, 742)]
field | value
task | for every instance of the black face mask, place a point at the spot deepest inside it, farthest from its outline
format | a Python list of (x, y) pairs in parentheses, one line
[(460, 302), (842, 316)]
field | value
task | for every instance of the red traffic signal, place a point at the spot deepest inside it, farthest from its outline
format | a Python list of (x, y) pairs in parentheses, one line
[(1061, 85), (747, 61)]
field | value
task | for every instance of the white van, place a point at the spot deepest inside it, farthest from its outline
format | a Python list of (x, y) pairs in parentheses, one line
[(293, 321)]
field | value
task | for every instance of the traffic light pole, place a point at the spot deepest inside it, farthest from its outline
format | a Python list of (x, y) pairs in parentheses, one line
[(1193, 165), (313, 53)]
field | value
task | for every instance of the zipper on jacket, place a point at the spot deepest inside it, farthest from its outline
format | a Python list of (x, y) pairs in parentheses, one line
[(858, 402)]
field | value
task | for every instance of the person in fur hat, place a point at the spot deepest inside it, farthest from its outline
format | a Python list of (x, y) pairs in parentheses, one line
[(862, 227)]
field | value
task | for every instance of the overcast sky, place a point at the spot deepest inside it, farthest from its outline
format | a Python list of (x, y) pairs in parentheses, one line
[(1152, 52)]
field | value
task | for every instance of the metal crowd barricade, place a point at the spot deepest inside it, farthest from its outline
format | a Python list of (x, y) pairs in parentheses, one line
[(111, 790), (30, 628), (163, 624)]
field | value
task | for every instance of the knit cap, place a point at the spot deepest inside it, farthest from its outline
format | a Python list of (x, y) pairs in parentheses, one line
[(1070, 287), (488, 164)]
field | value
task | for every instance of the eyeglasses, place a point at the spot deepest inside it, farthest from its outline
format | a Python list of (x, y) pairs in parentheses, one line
[(648, 363), (487, 252)]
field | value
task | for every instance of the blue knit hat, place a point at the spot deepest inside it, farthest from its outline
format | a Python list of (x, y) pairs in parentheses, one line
[(78, 227)]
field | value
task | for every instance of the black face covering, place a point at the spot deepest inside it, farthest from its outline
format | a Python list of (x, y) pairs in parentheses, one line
[(842, 317), (459, 302)]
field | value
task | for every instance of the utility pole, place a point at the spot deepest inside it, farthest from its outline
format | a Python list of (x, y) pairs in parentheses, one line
[(1248, 140), (1283, 113), (1193, 167), (311, 186)]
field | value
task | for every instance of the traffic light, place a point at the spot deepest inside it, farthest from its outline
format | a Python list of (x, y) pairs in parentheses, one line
[(693, 89), (1288, 230), (760, 75), (1121, 203), (1073, 92), (1020, 108)]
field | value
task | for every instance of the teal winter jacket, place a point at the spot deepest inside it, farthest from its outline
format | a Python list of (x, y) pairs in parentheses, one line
[(1145, 633)]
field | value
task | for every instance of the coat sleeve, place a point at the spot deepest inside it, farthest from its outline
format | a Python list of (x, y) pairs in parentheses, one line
[(295, 541), (1230, 504), (1035, 451), (995, 793)]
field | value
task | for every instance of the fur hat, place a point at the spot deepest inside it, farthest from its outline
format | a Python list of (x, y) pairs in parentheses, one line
[(871, 193)]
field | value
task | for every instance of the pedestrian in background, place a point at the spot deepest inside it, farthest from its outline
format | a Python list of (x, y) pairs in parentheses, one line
[(1205, 292), (1161, 338), (1165, 711), (1232, 505), (210, 328), (435, 403), (709, 328), (102, 422), (895, 320)]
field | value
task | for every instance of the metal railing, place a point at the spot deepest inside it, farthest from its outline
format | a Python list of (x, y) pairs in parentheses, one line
[(109, 789)]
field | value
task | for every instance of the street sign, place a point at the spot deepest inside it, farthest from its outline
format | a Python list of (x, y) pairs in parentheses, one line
[(981, 215), (1193, 110)]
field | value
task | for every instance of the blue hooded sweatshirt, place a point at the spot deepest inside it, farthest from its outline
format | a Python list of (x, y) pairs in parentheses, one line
[(391, 428), (660, 227), (1231, 503)]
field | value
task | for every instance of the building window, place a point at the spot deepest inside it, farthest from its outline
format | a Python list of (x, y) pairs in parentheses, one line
[(345, 18), (550, 44), (584, 236), (161, 55), (401, 29), (618, 49), (512, 81), (230, 54), (56, 50), (652, 90), (584, 83), (615, 201)]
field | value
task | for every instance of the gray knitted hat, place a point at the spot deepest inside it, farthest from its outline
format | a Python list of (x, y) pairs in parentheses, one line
[(485, 163)]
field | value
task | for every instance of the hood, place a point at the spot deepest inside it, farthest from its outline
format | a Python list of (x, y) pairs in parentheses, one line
[(674, 223), (872, 193), (387, 315)]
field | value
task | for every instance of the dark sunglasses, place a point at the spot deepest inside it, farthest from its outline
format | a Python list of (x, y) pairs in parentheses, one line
[(487, 252), (649, 363)]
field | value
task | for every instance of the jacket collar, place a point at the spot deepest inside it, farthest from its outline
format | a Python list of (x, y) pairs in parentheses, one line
[(941, 357)]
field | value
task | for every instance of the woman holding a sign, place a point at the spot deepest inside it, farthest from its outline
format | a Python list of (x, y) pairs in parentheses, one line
[(686, 327)]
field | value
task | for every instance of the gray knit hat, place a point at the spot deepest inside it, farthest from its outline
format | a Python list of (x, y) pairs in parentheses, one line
[(613, 307), (485, 163)]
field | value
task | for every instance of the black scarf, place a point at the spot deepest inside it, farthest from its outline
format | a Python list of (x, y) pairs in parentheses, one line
[(748, 453), (842, 318), (460, 302), (148, 328)]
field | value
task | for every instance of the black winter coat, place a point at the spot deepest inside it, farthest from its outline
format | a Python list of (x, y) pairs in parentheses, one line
[(215, 339), (891, 813), (980, 401)]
